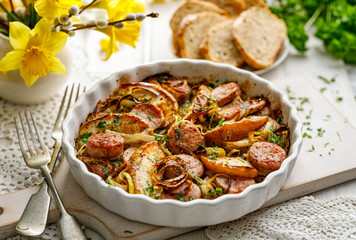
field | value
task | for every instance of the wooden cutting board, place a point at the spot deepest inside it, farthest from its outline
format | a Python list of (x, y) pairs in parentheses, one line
[(330, 163)]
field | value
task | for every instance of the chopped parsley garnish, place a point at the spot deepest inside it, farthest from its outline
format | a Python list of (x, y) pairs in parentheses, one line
[(214, 153), (116, 121), (327, 81), (320, 132), (339, 99), (274, 138), (131, 122), (309, 115), (278, 120), (338, 134), (102, 124), (106, 171), (149, 189), (326, 144), (84, 137), (312, 149), (219, 191), (306, 135), (322, 89), (180, 197), (138, 113), (118, 163), (177, 129), (221, 122), (120, 109), (150, 116)]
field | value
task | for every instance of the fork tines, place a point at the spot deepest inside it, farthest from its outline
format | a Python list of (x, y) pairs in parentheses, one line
[(28, 127)]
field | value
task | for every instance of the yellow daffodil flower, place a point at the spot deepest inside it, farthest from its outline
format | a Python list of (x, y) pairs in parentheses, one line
[(53, 8), (34, 51), (117, 10)]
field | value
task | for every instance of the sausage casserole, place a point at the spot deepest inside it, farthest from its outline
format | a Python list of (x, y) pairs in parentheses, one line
[(168, 139)]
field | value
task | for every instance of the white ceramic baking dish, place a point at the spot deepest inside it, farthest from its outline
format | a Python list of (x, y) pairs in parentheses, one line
[(167, 212)]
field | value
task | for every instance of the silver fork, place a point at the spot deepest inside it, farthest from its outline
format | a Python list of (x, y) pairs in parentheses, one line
[(34, 218), (39, 158)]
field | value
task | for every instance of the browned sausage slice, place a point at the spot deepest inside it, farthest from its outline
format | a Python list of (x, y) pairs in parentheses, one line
[(266, 157), (193, 164), (226, 93), (104, 145), (150, 113), (237, 185), (187, 191), (184, 137), (178, 88)]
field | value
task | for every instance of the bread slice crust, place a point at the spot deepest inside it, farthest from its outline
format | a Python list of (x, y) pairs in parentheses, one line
[(259, 36)]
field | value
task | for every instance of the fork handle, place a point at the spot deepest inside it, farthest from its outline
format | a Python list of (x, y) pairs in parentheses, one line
[(70, 228), (34, 218)]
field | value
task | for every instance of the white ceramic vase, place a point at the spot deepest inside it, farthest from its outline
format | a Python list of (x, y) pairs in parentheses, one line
[(14, 90)]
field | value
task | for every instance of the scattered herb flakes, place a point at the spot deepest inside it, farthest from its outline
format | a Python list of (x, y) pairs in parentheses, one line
[(303, 100), (300, 108), (131, 122), (339, 99), (219, 191), (338, 134), (311, 149), (326, 144), (309, 129), (327, 81), (306, 135), (327, 117), (274, 138), (102, 124), (106, 171), (84, 137), (322, 89), (309, 115), (149, 189), (221, 122), (278, 120), (306, 123), (128, 231), (120, 109), (180, 197), (321, 132), (150, 116)]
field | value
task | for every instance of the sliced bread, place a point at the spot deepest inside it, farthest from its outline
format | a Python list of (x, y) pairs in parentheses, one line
[(190, 7), (252, 3), (193, 32), (233, 7), (219, 45), (259, 36)]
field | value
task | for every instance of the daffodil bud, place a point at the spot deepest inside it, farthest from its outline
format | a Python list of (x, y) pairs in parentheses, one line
[(131, 17), (102, 23), (73, 10), (21, 12), (63, 19), (71, 33), (3, 16), (119, 25), (140, 17)]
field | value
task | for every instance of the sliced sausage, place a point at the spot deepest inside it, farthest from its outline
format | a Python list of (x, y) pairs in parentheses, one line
[(266, 157), (150, 113), (225, 93), (200, 101), (254, 105), (187, 191), (233, 185), (104, 145), (178, 88), (184, 137), (127, 154), (193, 164)]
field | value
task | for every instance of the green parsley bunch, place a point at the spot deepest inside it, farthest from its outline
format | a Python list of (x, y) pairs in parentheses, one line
[(335, 22)]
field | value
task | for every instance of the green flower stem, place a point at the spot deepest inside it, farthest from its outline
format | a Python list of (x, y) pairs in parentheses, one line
[(4, 31), (313, 18), (10, 14)]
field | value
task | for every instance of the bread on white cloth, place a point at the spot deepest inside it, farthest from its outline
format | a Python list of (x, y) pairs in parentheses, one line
[(259, 36)]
